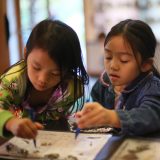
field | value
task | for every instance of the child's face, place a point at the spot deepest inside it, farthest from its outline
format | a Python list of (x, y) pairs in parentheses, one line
[(42, 71), (120, 62)]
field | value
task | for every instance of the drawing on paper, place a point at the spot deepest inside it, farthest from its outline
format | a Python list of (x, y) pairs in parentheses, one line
[(56, 145)]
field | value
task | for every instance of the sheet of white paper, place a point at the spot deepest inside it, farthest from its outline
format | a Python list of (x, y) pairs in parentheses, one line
[(137, 149), (63, 144)]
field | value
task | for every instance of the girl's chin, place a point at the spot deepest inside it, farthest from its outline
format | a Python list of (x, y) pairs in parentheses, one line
[(39, 88), (116, 83)]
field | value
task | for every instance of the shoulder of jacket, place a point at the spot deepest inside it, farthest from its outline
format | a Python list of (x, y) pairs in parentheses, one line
[(14, 71), (152, 86)]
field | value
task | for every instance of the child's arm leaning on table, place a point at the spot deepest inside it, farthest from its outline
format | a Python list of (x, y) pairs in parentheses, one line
[(21, 127)]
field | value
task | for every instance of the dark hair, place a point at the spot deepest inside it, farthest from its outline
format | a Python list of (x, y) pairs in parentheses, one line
[(138, 35), (63, 46), (101, 35)]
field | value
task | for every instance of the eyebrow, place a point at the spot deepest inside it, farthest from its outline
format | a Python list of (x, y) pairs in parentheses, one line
[(120, 52), (53, 70), (36, 63)]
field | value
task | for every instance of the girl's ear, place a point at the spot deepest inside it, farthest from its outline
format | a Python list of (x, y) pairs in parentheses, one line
[(25, 52), (147, 65)]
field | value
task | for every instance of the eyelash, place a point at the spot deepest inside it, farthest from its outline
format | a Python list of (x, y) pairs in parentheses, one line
[(52, 74), (36, 68), (108, 58), (55, 74), (122, 61)]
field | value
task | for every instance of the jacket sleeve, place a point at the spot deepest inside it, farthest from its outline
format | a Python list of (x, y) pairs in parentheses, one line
[(6, 99), (4, 117), (12, 86), (146, 118), (10, 89)]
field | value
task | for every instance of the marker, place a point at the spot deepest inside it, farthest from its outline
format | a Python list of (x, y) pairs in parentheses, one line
[(77, 132)]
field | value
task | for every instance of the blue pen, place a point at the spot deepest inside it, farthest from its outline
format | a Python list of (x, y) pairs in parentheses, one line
[(32, 116), (77, 132)]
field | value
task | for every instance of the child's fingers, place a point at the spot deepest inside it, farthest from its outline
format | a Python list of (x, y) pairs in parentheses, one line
[(91, 115), (78, 114), (39, 125), (29, 129), (28, 132), (25, 132), (87, 107), (24, 127)]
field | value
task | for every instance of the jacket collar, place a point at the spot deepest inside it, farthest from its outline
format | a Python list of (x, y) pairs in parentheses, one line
[(105, 79), (142, 78)]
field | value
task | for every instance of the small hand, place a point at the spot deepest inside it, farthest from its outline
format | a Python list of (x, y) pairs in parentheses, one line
[(23, 128), (94, 114)]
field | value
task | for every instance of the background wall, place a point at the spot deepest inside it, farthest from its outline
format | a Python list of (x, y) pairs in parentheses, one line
[(4, 53), (88, 18), (101, 15)]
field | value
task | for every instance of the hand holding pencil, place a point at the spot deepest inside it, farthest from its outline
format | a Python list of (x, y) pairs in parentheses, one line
[(94, 114), (23, 127)]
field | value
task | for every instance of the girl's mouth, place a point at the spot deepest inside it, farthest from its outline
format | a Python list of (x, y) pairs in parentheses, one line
[(41, 86), (114, 77)]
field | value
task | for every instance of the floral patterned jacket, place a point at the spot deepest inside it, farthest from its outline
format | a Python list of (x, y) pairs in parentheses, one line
[(13, 86)]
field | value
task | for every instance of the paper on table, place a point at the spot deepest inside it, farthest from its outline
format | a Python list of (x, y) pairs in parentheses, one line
[(59, 144), (146, 149)]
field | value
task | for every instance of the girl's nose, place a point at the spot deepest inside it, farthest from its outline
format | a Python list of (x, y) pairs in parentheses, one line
[(42, 82), (114, 65), (43, 78)]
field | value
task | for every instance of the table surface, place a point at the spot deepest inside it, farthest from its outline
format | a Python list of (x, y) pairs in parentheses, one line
[(113, 144), (116, 142), (104, 153)]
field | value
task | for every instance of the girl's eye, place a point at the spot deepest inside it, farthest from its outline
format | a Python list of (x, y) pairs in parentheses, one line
[(108, 58), (124, 61), (55, 74), (36, 68)]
